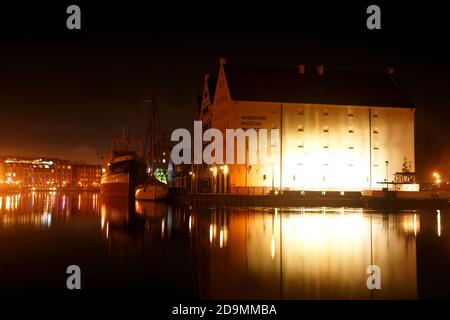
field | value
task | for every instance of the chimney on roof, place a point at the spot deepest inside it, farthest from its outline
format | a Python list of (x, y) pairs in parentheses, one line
[(320, 69), (390, 71), (301, 68), (222, 61)]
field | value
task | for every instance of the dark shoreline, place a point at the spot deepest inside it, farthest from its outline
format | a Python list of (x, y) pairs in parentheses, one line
[(308, 201)]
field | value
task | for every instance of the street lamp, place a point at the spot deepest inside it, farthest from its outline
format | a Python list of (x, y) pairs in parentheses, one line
[(192, 180), (437, 178)]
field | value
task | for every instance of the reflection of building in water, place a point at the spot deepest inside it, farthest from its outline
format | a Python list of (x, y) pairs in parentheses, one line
[(433, 255), (13, 212), (305, 255), (42, 209)]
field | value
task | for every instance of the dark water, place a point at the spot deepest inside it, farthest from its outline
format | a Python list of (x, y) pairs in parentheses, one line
[(218, 252)]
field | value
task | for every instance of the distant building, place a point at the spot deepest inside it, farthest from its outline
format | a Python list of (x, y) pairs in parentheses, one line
[(87, 176), (39, 173), (202, 178), (340, 130)]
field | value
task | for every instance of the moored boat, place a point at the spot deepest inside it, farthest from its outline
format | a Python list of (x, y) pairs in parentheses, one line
[(122, 176), (151, 190), (124, 167)]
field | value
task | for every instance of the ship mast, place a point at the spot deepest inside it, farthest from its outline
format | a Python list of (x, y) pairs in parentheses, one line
[(151, 128)]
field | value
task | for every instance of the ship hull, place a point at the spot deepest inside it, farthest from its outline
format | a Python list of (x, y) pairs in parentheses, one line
[(122, 176), (151, 193), (116, 185), (115, 189)]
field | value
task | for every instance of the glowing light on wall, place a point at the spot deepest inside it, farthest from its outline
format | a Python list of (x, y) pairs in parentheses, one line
[(415, 224), (221, 238), (210, 233)]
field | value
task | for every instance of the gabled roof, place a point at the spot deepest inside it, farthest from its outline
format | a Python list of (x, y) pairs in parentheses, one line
[(285, 85)]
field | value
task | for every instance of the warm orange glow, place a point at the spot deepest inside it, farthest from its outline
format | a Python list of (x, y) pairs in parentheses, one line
[(316, 248), (210, 233), (439, 223), (272, 247), (221, 238)]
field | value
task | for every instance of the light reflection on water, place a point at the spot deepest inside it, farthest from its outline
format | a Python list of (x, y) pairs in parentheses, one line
[(222, 253)]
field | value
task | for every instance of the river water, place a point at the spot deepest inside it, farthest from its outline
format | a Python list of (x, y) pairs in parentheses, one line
[(172, 252)]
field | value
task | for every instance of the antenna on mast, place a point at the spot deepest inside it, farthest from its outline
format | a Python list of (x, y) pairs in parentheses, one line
[(149, 145)]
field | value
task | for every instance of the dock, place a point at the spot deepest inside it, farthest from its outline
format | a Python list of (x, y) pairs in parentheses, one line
[(306, 199)]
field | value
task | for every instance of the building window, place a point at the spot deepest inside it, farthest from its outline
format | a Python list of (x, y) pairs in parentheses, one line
[(351, 130), (325, 147), (325, 112), (376, 148), (326, 129), (264, 177), (351, 148), (375, 130), (301, 145), (301, 112), (293, 177), (300, 128), (351, 113), (375, 114)]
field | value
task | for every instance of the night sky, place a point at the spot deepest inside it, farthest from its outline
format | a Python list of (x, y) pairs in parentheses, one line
[(65, 93)]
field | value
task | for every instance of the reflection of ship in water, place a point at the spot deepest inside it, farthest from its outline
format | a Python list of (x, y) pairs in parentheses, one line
[(150, 210), (118, 215), (125, 167), (122, 218), (149, 242)]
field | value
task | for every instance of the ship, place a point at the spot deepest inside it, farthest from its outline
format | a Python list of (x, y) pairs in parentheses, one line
[(151, 190), (124, 167)]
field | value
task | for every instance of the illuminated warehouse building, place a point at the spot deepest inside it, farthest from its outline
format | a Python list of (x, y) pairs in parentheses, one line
[(340, 130)]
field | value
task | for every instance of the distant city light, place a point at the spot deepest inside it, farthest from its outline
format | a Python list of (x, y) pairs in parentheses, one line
[(437, 178)]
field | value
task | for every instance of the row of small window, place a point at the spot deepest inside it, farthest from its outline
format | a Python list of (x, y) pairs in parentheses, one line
[(326, 129), (325, 113), (326, 164), (301, 146)]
